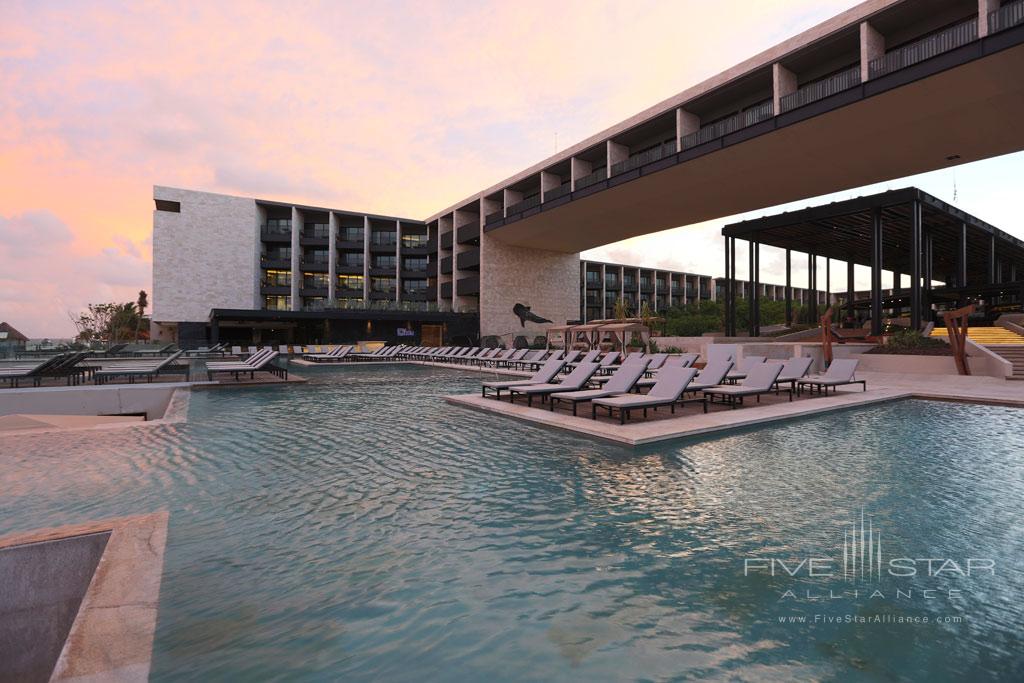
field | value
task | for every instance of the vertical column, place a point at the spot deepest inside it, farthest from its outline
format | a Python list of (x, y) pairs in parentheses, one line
[(604, 301), (872, 46), (686, 124), (509, 197), (655, 289), (812, 289), (783, 83), (915, 265), (577, 169), (296, 258), (733, 283), (926, 267), (992, 259), (961, 257), (828, 282), (985, 7), (876, 271), (789, 288), (616, 154), (849, 289), (755, 247), (366, 260), (398, 261), (332, 257)]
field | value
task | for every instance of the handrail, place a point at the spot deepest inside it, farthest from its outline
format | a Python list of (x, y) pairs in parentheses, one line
[(556, 192), (591, 178), (1006, 17), (820, 89), (926, 48), (665, 149), (525, 204)]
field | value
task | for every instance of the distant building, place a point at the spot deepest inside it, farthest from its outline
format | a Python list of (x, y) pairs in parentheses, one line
[(11, 341)]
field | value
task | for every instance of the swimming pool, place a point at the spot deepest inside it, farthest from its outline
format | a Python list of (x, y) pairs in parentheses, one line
[(359, 528)]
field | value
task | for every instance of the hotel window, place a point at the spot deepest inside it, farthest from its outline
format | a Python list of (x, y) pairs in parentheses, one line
[(414, 263), (628, 280), (315, 256), (385, 262), (382, 284), (414, 286), (611, 280), (351, 259), (316, 230), (315, 280), (278, 254), (383, 238), (593, 277), (313, 303), (279, 226), (278, 278), (413, 241), (350, 283), (350, 234), (277, 303)]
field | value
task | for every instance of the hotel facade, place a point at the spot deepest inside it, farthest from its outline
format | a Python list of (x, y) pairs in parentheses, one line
[(884, 90)]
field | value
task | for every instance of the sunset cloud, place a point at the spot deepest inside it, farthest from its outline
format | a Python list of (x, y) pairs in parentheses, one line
[(392, 108)]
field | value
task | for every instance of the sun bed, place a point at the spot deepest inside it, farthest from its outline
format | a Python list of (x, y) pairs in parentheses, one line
[(502, 355), (264, 362), (147, 370), (622, 382), (712, 375), (338, 354), (575, 380), (760, 380), (670, 362), (842, 371), (656, 360), (546, 373), (688, 359), (794, 369), (168, 349), (515, 356), (14, 376), (631, 359), (590, 357), (721, 352), (745, 365), (667, 391), (533, 358)]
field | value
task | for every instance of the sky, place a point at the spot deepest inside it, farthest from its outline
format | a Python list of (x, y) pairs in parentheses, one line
[(386, 107)]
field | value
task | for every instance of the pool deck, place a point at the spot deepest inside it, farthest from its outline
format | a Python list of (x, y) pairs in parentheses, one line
[(689, 419), (111, 638)]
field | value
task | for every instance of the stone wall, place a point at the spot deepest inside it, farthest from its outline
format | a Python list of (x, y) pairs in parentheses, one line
[(205, 257), (546, 281)]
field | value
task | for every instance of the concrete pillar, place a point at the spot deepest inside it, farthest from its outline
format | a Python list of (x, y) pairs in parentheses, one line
[(915, 265), (849, 288), (783, 83), (961, 257), (992, 259), (296, 258), (872, 46), (332, 257), (366, 259), (616, 154), (789, 288), (604, 307), (577, 169), (548, 181), (398, 261), (510, 197), (686, 124), (985, 7), (876, 271)]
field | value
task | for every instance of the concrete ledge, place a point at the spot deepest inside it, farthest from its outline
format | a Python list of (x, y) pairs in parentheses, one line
[(111, 638), (690, 421)]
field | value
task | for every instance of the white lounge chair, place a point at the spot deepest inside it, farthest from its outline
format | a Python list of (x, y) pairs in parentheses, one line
[(841, 371), (575, 380), (746, 364), (546, 373), (667, 391), (622, 382), (760, 380)]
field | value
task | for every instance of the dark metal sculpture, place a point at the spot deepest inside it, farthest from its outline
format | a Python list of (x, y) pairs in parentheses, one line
[(956, 328), (524, 314)]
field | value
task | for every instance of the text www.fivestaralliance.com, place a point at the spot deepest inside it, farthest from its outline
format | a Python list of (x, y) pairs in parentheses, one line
[(870, 619)]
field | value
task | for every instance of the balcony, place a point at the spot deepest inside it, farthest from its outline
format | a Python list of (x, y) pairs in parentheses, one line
[(494, 217), (417, 247), (316, 264), (591, 178), (446, 239), (468, 233), (925, 48), (731, 124), (1006, 17), (446, 265), (315, 234), (446, 291), (820, 89), (528, 203), (468, 260), (274, 287), (556, 192), (383, 241), (468, 286), (611, 283), (645, 157), (276, 260), (276, 234)]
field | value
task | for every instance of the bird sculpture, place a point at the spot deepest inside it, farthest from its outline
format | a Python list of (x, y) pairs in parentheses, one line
[(523, 313)]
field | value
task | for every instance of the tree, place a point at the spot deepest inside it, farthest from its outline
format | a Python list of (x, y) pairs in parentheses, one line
[(107, 323), (142, 302)]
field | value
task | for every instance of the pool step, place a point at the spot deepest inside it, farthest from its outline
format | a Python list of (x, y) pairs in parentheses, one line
[(1012, 353), (986, 335)]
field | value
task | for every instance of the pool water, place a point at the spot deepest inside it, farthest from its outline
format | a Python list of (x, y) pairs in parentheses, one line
[(358, 528)]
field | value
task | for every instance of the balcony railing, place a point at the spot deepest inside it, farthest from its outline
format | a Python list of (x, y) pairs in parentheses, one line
[(319, 232), (1006, 17), (820, 89), (647, 156), (373, 305), (496, 216), (556, 192), (926, 48), (525, 204), (383, 239), (591, 178), (276, 230), (747, 117)]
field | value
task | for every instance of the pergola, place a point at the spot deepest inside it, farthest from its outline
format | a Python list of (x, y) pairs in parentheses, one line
[(559, 332), (950, 256)]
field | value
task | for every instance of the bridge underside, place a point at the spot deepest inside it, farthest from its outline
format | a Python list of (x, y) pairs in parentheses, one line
[(964, 113)]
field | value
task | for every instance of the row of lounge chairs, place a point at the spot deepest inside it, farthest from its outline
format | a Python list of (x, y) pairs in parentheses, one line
[(669, 383), (259, 361), (148, 369)]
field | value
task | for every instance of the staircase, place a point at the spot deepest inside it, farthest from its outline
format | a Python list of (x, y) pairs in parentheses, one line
[(998, 340)]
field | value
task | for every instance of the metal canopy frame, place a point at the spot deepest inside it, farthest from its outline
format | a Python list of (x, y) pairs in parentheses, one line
[(946, 253)]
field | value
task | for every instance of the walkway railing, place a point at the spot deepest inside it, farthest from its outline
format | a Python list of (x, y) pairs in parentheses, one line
[(525, 204), (820, 89), (591, 178), (748, 117), (647, 156), (1006, 17), (556, 192), (926, 48)]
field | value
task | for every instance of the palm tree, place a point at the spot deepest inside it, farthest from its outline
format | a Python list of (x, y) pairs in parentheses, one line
[(142, 302)]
